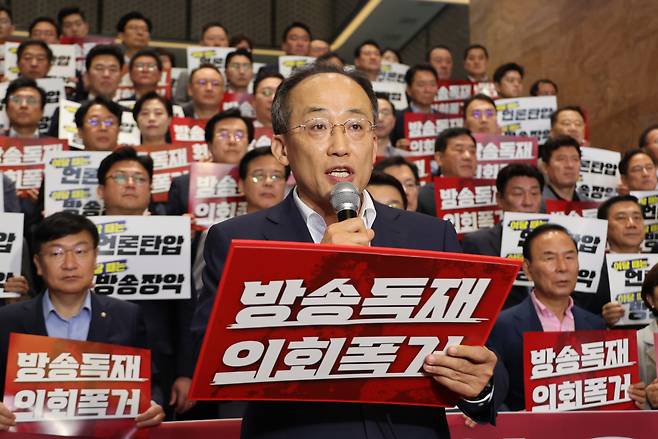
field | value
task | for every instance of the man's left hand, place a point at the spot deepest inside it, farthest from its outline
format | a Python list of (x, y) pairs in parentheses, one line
[(151, 417), (465, 370)]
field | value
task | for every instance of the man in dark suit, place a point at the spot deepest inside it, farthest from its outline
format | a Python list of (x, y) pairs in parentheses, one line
[(206, 89), (66, 246), (323, 123), (551, 262), (519, 189)]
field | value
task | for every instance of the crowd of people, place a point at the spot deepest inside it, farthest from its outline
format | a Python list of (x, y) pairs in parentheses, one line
[(328, 126)]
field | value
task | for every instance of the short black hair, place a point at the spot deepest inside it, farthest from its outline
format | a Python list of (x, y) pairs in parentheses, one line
[(43, 19), (238, 38), (59, 225), (111, 106), (152, 95), (476, 46), (410, 75), (168, 53), (293, 25), (385, 97), (508, 67), (357, 51), (604, 209), (264, 74), (207, 26), (397, 161), (518, 170), (69, 10), (124, 154), (281, 107), (428, 54), (397, 54), (536, 233), (643, 142), (204, 66), (554, 143), (534, 89), (133, 15), (627, 156), (232, 113), (152, 53), (27, 43), (442, 139), (327, 56), (236, 52), (378, 178), (23, 82), (254, 154), (557, 112), (7, 11), (105, 49), (478, 97)]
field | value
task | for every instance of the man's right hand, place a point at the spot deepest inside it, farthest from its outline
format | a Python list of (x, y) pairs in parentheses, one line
[(611, 313), (7, 418), (349, 232)]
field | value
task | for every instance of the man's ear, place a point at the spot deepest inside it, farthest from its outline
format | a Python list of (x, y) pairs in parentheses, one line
[(438, 158), (526, 269), (241, 186), (280, 149), (37, 263), (100, 191)]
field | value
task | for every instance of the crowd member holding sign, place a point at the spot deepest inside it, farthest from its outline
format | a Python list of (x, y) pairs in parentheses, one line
[(34, 58), (134, 31), (476, 58), (44, 29), (368, 59), (24, 104), (456, 155), (296, 39), (153, 114), (561, 157), (638, 171), (440, 58), (508, 79), (65, 249), (265, 87), (145, 69), (323, 123), (569, 121), (6, 24), (480, 115), (98, 122), (406, 173), (239, 71), (646, 350), (206, 87), (73, 22), (421, 88), (519, 188), (124, 185)]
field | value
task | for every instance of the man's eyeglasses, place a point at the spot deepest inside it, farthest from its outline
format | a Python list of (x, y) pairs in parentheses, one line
[(225, 135), (57, 253), (478, 114), (274, 177), (320, 128), (203, 82), (96, 122), (20, 100), (122, 179)]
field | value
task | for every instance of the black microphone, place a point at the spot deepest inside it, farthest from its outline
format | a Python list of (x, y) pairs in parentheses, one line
[(346, 200)]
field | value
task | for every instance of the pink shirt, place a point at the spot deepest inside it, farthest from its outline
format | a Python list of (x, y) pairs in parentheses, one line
[(549, 321)]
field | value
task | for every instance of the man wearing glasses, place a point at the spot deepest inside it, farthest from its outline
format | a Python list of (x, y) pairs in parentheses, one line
[(239, 70), (98, 124), (324, 120), (206, 88), (145, 70), (480, 115), (24, 103)]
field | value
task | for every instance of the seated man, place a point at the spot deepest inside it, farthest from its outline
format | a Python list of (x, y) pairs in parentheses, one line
[(543, 87), (386, 189), (65, 248), (406, 173), (296, 39), (72, 22), (228, 135), (440, 58), (239, 71), (476, 58), (569, 121), (385, 125), (206, 88), (480, 115), (508, 80), (98, 123), (550, 260), (421, 89), (638, 171), (145, 70), (33, 59), (6, 24), (134, 31), (561, 158), (456, 155), (519, 189), (24, 103), (368, 59), (265, 86), (44, 29)]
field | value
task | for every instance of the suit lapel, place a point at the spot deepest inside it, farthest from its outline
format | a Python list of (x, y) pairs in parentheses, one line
[(34, 322), (99, 327), (284, 222), (496, 237), (387, 234), (526, 318)]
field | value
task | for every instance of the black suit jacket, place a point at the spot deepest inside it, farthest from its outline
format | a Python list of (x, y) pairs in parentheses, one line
[(112, 321), (426, 200), (273, 420), (506, 339), (10, 198), (179, 195), (487, 242)]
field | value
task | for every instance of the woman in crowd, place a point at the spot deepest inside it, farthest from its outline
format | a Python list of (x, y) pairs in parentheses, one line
[(153, 114)]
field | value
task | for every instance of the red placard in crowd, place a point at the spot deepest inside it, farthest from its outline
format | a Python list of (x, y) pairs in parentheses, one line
[(22, 159), (451, 95), (585, 209), (169, 161), (263, 136), (191, 132), (214, 195), (302, 321), (579, 370), (241, 101), (75, 388), (494, 152), (468, 203)]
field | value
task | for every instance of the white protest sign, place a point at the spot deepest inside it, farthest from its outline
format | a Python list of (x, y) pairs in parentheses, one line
[(649, 202), (71, 182), (197, 55), (529, 116), (63, 65), (599, 176), (392, 72), (289, 63), (626, 273), (395, 91), (143, 257), (2, 193), (11, 248), (590, 235), (67, 128)]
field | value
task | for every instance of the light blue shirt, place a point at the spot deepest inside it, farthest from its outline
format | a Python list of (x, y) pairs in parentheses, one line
[(75, 328)]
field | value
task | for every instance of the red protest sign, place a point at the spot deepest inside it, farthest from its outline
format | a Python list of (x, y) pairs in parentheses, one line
[(585, 209), (579, 370), (468, 203), (169, 161), (450, 96), (494, 152), (90, 389), (189, 131), (22, 160), (263, 136), (301, 321), (241, 101), (214, 194)]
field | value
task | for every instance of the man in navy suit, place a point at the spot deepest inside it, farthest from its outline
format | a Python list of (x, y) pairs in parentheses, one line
[(66, 246), (323, 120)]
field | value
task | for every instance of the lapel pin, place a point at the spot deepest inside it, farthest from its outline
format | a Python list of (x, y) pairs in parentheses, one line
[(103, 314)]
